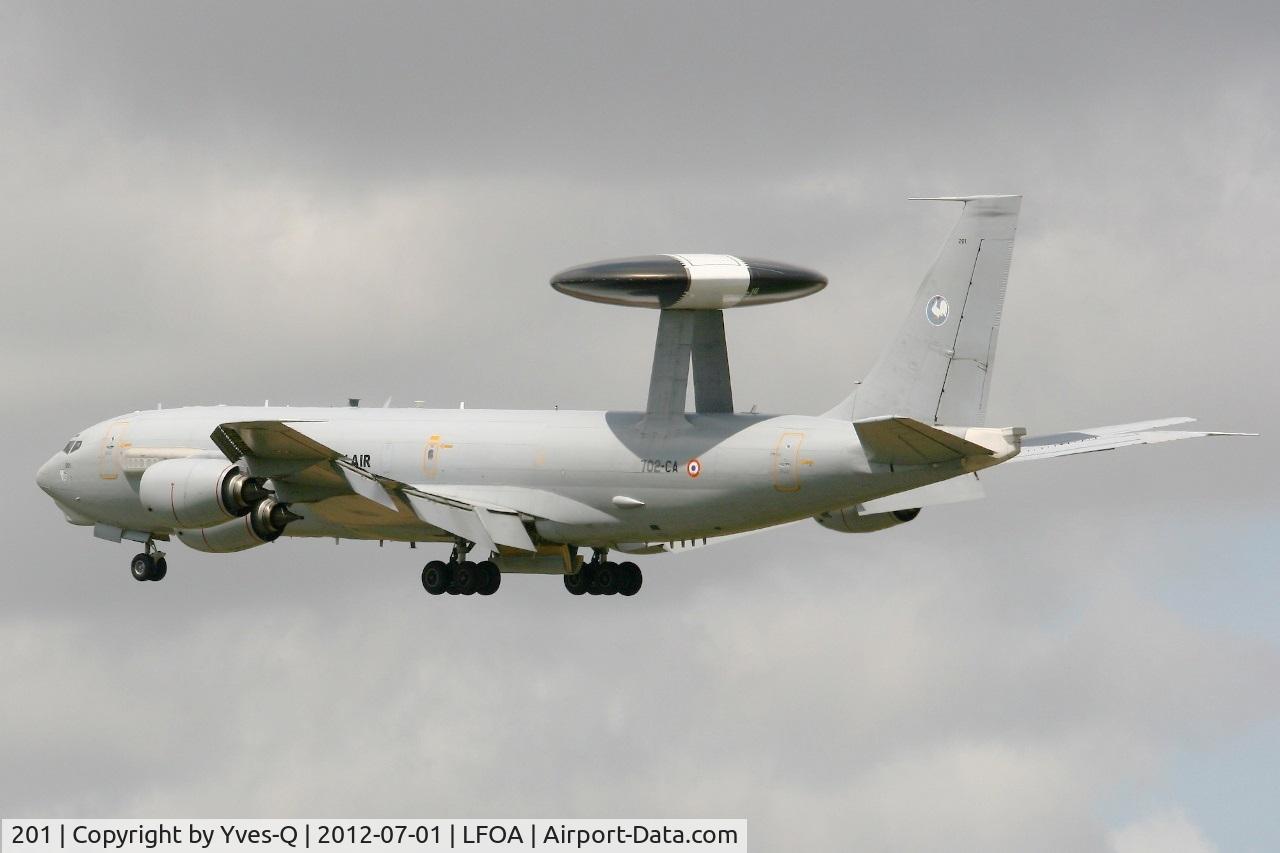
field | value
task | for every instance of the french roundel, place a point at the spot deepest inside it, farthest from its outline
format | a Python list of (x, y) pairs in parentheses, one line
[(694, 467), (937, 310)]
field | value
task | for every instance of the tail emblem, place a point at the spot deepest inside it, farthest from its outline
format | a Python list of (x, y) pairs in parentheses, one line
[(937, 310)]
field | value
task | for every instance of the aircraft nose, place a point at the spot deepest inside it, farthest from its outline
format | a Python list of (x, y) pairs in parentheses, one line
[(47, 475)]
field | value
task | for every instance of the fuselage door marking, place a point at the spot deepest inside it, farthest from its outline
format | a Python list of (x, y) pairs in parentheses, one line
[(431, 455), (786, 462), (112, 443)]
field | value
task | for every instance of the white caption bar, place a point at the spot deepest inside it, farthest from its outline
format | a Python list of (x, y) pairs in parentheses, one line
[(348, 836)]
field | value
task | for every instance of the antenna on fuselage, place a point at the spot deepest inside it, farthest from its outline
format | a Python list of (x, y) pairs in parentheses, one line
[(691, 292)]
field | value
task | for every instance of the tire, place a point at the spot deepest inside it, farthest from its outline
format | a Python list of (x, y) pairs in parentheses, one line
[(605, 579), (142, 567), (589, 572), (577, 583), (435, 577), (631, 579), (490, 577), (468, 576), (159, 570)]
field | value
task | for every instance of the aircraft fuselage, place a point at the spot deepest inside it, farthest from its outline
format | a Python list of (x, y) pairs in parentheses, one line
[(591, 478)]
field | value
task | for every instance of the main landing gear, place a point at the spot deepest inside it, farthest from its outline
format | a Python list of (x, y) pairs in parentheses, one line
[(602, 577), (460, 576), (150, 565)]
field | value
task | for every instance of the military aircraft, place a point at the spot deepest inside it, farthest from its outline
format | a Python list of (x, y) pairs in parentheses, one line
[(539, 491)]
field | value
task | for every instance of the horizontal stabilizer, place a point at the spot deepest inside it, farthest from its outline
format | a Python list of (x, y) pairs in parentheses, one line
[(1095, 439), (904, 441)]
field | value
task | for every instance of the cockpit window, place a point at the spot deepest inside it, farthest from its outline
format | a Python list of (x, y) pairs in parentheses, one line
[(72, 446)]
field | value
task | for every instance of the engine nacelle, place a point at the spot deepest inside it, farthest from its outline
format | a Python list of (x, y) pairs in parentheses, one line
[(191, 493), (847, 520), (263, 524)]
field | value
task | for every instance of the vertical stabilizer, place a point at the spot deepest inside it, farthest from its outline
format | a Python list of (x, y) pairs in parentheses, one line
[(938, 368)]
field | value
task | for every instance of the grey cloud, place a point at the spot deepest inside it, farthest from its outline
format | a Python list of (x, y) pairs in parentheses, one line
[(509, 87), (898, 707), (228, 204)]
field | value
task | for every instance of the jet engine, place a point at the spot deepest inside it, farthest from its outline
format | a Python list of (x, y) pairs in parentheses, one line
[(262, 524), (847, 520), (190, 493)]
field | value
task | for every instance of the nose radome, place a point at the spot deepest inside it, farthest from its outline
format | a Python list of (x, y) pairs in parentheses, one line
[(47, 475)]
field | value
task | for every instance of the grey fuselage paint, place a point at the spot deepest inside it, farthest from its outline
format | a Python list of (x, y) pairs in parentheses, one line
[(752, 470)]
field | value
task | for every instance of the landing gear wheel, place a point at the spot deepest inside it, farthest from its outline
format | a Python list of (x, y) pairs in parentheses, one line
[(577, 584), (490, 577), (143, 567), (605, 579), (631, 579), (590, 571), (468, 577), (159, 569), (435, 577)]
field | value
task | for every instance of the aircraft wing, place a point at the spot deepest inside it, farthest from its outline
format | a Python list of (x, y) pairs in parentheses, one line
[(274, 442), (1095, 439), (304, 470)]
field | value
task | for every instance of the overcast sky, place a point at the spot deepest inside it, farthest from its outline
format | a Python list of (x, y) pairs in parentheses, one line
[(301, 202)]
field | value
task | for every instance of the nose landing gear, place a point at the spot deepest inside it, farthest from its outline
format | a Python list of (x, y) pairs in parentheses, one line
[(150, 565)]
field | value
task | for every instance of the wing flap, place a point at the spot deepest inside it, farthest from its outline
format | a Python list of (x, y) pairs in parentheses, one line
[(538, 503), (487, 526), (459, 521), (368, 487), (505, 529)]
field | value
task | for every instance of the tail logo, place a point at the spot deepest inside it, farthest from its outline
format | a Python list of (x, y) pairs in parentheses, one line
[(937, 310)]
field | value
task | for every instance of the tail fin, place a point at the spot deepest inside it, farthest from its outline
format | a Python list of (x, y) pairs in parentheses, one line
[(938, 369)]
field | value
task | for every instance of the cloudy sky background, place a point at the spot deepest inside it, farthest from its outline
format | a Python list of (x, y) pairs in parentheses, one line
[(305, 203)]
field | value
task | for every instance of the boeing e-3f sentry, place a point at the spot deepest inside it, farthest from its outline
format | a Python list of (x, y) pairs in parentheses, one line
[(555, 492)]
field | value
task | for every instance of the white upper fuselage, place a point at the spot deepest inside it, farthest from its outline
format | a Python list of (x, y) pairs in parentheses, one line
[(588, 478)]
